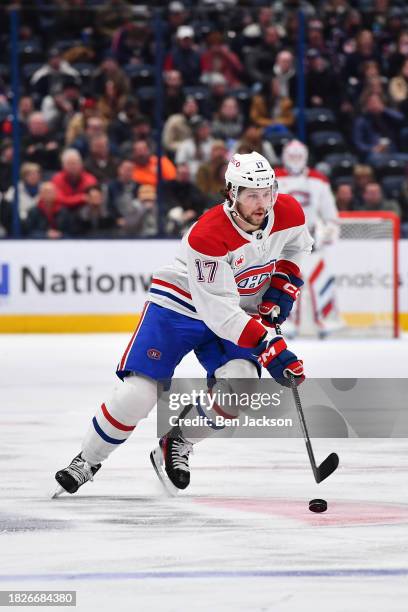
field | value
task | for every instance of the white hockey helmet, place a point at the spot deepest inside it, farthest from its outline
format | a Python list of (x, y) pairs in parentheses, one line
[(294, 157), (250, 170)]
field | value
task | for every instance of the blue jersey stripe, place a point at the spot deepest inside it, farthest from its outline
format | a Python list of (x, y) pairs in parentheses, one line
[(173, 297), (103, 434), (327, 285)]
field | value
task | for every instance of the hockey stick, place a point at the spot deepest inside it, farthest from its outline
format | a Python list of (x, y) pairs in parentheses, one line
[(330, 464)]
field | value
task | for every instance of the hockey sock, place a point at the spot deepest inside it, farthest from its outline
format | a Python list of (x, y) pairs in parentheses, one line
[(131, 401)]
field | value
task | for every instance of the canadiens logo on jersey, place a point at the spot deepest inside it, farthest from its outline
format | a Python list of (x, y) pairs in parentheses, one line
[(303, 197), (253, 279), (154, 354)]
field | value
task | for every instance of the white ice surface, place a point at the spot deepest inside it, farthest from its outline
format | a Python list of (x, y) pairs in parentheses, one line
[(241, 538)]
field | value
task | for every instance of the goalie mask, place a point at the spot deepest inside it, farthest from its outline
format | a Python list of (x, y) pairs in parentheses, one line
[(294, 157), (250, 170)]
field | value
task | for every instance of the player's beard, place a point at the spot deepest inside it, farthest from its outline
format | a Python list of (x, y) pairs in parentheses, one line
[(254, 219)]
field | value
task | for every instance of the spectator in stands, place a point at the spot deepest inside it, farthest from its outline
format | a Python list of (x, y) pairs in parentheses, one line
[(95, 125), (285, 75), (100, 163), (178, 127), (345, 200), (50, 76), (173, 95), (73, 181), (131, 44), (27, 188), (400, 55), (260, 60), (91, 220), (6, 164), (184, 201), (373, 199), (269, 108), (252, 140), (217, 91), (25, 109), (398, 89), (122, 194), (197, 149), (145, 165), (376, 130), (362, 175), (316, 41), (141, 129), (45, 219), (76, 125), (177, 16), (183, 56), (322, 84), (228, 123), (210, 175), (60, 106), (109, 70), (40, 146), (110, 16), (148, 224), (112, 102), (219, 58), (365, 51), (120, 127)]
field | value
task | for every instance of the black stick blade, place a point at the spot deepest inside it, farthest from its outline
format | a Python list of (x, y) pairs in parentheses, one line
[(329, 465)]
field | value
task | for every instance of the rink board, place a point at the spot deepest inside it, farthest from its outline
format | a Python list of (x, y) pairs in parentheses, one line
[(93, 286)]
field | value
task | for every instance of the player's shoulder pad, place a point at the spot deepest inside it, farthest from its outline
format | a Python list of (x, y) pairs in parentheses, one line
[(214, 234), (317, 175), (280, 172), (288, 213)]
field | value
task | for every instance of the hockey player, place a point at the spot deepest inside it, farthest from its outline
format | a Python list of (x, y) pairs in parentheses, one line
[(316, 310), (240, 258)]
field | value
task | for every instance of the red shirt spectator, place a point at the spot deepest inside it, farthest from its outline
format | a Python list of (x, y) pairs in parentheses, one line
[(219, 58), (73, 181)]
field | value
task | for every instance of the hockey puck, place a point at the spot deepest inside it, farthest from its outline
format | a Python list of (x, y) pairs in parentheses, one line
[(318, 505)]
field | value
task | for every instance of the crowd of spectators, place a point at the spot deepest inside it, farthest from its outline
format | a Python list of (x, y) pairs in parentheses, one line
[(87, 120)]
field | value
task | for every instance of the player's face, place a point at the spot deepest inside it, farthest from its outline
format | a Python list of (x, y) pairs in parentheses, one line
[(253, 204)]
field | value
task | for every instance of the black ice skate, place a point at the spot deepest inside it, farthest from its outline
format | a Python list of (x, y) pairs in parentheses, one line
[(172, 454), (75, 475)]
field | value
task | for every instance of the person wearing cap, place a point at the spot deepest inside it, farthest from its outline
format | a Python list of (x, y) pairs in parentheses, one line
[(322, 84), (49, 77), (177, 15), (183, 56)]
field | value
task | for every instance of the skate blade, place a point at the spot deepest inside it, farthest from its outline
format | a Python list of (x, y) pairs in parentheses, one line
[(156, 458), (58, 491)]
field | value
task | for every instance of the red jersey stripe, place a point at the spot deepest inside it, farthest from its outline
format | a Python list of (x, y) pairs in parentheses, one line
[(114, 422), (171, 286)]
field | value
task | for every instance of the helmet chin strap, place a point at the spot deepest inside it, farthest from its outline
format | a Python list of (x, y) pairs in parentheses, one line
[(234, 213)]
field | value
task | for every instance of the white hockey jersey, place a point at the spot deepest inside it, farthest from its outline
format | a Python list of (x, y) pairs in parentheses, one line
[(221, 272), (312, 190)]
